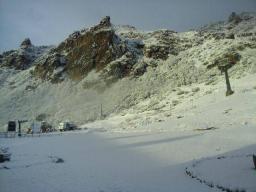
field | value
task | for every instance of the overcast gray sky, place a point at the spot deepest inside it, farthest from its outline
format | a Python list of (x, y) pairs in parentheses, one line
[(50, 21)]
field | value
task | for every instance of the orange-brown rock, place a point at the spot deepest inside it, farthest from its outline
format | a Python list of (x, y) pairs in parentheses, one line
[(84, 51)]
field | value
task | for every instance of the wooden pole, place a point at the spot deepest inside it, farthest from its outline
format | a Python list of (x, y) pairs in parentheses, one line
[(229, 90), (101, 112), (254, 160), (19, 134)]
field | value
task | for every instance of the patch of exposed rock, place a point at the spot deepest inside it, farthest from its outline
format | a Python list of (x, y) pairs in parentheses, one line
[(82, 52), (22, 58), (26, 43)]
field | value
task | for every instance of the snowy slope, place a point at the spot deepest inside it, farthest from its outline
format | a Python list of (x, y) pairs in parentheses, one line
[(24, 97), (151, 157), (160, 87)]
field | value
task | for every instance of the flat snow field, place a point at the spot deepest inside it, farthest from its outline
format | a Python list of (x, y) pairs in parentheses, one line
[(96, 161)]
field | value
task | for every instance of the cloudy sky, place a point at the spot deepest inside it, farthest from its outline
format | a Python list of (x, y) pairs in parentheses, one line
[(50, 21)]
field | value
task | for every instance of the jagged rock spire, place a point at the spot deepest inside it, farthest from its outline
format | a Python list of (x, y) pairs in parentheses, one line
[(105, 21), (25, 43)]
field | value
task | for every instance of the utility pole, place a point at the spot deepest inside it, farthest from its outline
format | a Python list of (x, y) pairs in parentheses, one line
[(20, 122), (101, 112), (19, 134), (254, 160), (224, 69), (229, 90)]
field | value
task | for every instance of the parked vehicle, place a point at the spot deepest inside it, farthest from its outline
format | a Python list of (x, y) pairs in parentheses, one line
[(36, 127), (46, 127), (66, 126), (11, 126), (40, 127)]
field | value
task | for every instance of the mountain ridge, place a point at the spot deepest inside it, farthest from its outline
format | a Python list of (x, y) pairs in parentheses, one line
[(120, 67)]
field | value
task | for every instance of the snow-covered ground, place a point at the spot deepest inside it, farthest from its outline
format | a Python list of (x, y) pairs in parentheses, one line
[(151, 157), (137, 162), (170, 128)]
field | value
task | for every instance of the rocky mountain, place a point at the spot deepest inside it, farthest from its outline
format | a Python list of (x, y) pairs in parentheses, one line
[(22, 58), (124, 69)]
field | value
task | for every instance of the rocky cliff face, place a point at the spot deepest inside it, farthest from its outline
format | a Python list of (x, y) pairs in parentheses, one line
[(82, 52)]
